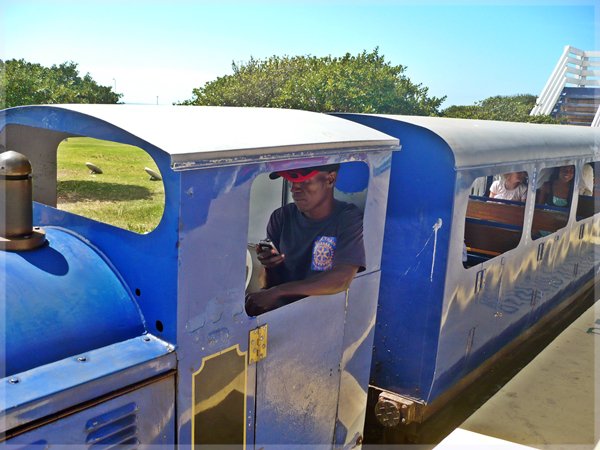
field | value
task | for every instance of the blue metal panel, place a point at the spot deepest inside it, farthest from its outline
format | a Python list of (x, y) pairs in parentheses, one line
[(60, 300), (147, 263), (212, 257), (49, 389), (359, 331), (412, 279), (214, 229), (139, 419), (298, 383)]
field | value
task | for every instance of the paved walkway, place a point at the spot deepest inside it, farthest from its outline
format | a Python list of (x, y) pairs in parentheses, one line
[(552, 404)]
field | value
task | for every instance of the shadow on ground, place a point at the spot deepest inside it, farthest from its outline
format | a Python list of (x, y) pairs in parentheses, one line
[(71, 191)]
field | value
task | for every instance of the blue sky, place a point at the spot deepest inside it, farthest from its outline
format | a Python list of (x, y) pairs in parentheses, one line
[(466, 50)]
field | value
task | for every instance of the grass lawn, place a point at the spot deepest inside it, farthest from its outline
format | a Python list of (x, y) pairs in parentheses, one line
[(122, 195)]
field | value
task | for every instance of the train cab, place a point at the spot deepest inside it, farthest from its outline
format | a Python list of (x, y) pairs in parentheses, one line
[(115, 337)]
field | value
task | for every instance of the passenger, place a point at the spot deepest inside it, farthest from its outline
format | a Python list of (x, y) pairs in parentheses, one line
[(557, 191), (318, 242), (511, 186)]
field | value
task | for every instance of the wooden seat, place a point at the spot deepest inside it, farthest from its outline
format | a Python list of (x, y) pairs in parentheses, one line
[(548, 220), (507, 213), (493, 227), (490, 239)]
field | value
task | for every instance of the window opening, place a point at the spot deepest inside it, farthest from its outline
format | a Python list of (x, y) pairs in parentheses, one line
[(589, 191), (267, 195), (554, 193), (108, 182), (495, 216)]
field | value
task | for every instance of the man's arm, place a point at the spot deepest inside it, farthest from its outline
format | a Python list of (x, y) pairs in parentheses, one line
[(331, 282), (269, 259)]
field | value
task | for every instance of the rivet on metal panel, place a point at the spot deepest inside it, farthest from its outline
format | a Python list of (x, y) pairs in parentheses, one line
[(14, 380), (81, 359)]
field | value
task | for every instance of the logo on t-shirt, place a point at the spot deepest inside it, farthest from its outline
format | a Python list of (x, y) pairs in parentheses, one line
[(322, 254)]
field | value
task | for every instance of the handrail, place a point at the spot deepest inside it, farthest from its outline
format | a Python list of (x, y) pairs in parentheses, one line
[(596, 120), (573, 67), (553, 85)]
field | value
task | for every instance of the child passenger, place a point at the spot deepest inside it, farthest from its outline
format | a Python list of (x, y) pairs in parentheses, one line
[(510, 186)]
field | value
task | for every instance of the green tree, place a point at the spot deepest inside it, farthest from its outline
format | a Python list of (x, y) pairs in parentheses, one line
[(365, 83), (25, 83), (513, 108)]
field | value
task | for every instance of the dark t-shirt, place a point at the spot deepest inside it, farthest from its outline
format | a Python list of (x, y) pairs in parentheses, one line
[(313, 246)]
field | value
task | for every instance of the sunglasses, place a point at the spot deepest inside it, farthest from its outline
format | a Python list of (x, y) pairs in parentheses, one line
[(298, 175)]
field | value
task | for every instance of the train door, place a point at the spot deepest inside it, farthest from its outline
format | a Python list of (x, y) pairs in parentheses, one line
[(493, 230), (295, 351), (297, 383), (587, 227), (310, 359), (550, 239), (482, 239)]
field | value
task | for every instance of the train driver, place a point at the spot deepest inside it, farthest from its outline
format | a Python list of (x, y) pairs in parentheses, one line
[(317, 242)]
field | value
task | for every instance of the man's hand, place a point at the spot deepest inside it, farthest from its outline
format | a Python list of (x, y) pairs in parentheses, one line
[(269, 257), (261, 301)]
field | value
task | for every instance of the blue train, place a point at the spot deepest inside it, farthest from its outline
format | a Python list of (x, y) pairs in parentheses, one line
[(113, 338)]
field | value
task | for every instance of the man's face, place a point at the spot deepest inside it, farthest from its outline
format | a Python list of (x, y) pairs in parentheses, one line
[(309, 195)]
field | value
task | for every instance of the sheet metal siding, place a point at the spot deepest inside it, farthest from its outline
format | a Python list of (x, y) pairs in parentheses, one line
[(146, 262), (104, 371), (213, 236), (410, 298), (509, 279), (144, 418), (518, 289), (486, 142), (193, 133)]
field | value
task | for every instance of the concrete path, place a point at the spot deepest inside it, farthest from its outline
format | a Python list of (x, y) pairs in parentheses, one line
[(554, 402)]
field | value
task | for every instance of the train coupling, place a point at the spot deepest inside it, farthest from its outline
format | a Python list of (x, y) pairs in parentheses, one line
[(392, 410)]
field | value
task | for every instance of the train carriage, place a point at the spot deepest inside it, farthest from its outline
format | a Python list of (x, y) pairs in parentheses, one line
[(464, 275)]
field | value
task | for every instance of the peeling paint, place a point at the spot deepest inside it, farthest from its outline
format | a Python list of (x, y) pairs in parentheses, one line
[(436, 227)]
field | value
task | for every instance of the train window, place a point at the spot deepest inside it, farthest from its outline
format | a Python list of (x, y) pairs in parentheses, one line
[(266, 195), (553, 200), (589, 191), (495, 216), (109, 182)]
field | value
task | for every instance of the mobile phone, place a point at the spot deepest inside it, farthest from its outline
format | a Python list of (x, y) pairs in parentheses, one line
[(267, 244)]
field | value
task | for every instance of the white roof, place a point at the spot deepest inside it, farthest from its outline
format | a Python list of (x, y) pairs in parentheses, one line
[(486, 142), (195, 133)]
